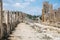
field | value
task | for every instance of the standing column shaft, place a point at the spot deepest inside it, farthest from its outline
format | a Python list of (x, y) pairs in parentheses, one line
[(10, 21), (42, 15), (16, 16), (8, 27), (1, 28)]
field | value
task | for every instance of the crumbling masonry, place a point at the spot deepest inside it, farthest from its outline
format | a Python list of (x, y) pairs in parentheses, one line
[(49, 14)]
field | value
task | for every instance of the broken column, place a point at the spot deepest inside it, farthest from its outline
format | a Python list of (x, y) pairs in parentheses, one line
[(20, 16), (8, 24), (17, 15), (42, 15)]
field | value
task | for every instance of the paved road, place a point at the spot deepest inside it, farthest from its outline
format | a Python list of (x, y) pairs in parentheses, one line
[(29, 32), (24, 32)]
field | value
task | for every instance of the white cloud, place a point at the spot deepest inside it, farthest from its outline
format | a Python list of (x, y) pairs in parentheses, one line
[(17, 4), (21, 5), (24, 6), (30, 0)]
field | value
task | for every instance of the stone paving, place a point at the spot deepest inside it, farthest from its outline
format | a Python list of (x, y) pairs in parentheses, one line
[(27, 32)]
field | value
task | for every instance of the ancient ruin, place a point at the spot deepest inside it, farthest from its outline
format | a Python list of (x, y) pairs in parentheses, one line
[(49, 14)]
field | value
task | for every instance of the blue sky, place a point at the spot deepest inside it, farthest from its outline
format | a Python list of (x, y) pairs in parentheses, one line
[(33, 7)]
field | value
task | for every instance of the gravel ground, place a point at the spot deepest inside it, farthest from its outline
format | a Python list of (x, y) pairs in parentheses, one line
[(34, 31)]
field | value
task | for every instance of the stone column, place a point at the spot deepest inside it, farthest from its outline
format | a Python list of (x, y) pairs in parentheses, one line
[(14, 17), (51, 13), (42, 15), (11, 20), (20, 16), (1, 12), (17, 15), (8, 25)]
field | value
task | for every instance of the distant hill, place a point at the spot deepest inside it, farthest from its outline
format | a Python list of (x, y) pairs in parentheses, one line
[(33, 17)]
